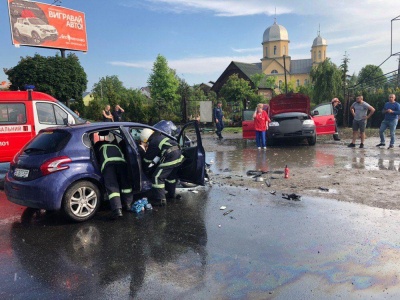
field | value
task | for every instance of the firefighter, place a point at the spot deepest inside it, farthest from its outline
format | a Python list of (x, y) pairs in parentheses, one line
[(162, 160), (115, 173)]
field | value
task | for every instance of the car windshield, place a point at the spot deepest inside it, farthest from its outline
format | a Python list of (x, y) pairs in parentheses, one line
[(37, 21), (48, 142), (78, 120)]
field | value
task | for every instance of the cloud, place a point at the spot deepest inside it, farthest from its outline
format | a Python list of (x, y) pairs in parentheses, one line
[(195, 65)]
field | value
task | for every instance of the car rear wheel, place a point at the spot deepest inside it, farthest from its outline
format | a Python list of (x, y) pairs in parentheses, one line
[(81, 201), (312, 140)]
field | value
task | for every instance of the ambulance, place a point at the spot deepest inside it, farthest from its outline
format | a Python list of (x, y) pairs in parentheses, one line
[(24, 113)]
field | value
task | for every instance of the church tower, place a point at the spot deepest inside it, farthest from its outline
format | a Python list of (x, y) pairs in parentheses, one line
[(318, 50), (275, 46)]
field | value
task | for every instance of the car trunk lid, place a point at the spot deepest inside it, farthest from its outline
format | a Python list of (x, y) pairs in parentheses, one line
[(289, 103)]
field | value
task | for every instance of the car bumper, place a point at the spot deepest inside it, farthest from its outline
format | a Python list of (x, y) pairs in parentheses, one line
[(305, 132), (33, 194)]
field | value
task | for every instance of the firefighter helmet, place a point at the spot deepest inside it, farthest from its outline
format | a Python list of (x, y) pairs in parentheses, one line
[(145, 134)]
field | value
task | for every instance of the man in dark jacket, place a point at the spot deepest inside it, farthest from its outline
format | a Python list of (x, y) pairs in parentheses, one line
[(115, 173), (162, 159), (219, 119)]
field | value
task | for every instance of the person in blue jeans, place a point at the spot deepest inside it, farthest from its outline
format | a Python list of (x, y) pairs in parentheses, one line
[(219, 119), (391, 109)]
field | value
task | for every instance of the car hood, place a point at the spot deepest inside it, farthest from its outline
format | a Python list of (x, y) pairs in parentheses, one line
[(286, 103)]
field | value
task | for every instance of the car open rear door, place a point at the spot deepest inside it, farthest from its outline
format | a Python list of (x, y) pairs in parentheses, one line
[(193, 168), (324, 120)]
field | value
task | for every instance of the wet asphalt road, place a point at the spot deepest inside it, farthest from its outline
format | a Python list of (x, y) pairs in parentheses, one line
[(263, 247)]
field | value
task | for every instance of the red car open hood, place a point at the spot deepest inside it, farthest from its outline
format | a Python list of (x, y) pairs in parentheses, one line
[(289, 103)]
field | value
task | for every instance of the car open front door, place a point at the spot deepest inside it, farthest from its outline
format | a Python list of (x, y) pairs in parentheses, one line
[(324, 119), (129, 147), (193, 168)]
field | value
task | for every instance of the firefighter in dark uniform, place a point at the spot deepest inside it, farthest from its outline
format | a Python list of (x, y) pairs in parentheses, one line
[(162, 159), (115, 173)]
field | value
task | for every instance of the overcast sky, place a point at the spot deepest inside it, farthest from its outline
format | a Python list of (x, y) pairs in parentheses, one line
[(199, 38)]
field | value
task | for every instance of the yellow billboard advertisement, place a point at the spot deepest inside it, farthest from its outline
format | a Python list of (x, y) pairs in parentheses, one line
[(49, 26)]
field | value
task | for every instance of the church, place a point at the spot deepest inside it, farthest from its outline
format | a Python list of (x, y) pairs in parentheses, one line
[(275, 59)]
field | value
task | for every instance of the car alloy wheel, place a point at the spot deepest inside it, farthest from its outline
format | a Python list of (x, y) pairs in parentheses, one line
[(81, 201)]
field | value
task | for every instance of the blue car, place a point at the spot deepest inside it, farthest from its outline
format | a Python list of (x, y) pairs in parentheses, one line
[(58, 170)]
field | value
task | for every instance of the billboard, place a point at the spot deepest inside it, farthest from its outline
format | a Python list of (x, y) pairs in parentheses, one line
[(49, 26)]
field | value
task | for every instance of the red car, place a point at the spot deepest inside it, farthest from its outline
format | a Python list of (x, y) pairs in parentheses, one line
[(291, 119)]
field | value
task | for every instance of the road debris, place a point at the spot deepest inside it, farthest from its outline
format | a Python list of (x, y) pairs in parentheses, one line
[(292, 196), (228, 212)]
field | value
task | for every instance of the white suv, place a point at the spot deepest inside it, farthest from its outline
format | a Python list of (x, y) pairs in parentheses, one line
[(35, 29)]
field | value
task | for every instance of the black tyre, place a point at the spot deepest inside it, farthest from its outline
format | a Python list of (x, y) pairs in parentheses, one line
[(36, 38), (81, 201), (312, 140), (16, 33)]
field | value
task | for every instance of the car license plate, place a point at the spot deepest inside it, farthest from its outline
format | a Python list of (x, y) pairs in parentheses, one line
[(21, 173)]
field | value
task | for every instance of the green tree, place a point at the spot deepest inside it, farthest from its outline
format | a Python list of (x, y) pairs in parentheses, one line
[(371, 77), (327, 81), (237, 89), (63, 78), (344, 67), (110, 90), (164, 85)]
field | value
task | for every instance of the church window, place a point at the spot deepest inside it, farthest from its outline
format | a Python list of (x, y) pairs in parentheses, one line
[(319, 54), (266, 51), (284, 50), (274, 50), (274, 72), (305, 81), (280, 83), (315, 56), (297, 82)]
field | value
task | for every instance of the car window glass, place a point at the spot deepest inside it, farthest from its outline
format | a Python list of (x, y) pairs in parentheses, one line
[(12, 113), (61, 116), (48, 142), (188, 137), (324, 110), (248, 115), (45, 113)]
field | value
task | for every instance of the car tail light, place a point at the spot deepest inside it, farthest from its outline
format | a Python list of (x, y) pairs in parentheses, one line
[(55, 164), (15, 158)]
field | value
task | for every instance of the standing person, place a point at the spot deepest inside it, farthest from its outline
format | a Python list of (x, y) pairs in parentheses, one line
[(219, 116), (117, 113), (107, 116), (162, 159), (359, 110), (391, 109), (336, 105), (115, 174), (261, 121)]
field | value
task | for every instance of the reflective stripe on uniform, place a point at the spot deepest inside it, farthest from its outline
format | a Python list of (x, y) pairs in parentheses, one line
[(156, 176), (164, 141), (170, 181), (113, 195), (107, 159), (158, 186), (126, 191), (171, 163)]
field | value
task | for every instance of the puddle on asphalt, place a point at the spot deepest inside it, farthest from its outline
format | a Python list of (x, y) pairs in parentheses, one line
[(245, 156)]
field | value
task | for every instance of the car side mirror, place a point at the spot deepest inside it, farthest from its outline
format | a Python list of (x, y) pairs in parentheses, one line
[(315, 113)]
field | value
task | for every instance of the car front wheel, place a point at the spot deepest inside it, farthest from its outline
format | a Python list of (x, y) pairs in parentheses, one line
[(36, 38), (312, 140), (81, 201)]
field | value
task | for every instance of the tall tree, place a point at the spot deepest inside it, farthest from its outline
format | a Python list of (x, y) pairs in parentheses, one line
[(327, 81), (344, 67), (237, 89), (371, 77), (164, 85), (63, 78), (110, 90)]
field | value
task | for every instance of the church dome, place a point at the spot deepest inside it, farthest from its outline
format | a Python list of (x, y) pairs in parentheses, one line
[(275, 33), (319, 41)]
